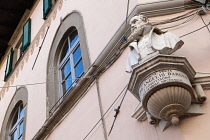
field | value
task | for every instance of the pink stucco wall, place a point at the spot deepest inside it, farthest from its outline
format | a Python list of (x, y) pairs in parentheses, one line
[(197, 127), (115, 78), (100, 27)]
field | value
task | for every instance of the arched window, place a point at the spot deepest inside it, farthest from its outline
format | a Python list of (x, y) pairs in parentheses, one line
[(14, 123), (17, 124), (71, 64), (68, 61)]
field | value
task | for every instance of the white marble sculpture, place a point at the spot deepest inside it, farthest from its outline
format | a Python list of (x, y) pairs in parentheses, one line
[(147, 40)]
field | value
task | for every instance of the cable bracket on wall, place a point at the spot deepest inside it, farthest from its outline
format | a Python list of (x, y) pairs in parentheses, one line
[(117, 110)]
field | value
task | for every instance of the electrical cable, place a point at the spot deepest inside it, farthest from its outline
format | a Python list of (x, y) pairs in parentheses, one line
[(186, 15), (123, 41), (117, 110), (176, 19), (191, 16), (39, 83), (105, 112), (40, 47), (194, 30), (188, 20), (171, 20), (124, 38), (205, 23), (126, 17), (85, 77), (110, 63)]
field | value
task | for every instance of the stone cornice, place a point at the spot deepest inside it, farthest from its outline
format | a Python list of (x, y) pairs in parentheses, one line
[(35, 43), (203, 79)]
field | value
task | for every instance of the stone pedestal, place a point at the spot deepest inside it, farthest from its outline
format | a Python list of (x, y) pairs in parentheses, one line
[(162, 83)]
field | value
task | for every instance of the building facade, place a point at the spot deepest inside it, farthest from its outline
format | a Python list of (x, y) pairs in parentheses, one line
[(63, 74)]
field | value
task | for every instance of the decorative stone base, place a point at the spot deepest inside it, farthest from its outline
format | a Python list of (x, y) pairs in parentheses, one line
[(163, 86), (168, 102)]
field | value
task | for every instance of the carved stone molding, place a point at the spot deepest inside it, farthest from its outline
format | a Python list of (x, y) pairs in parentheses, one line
[(141, 115), (167, 89), (169, 103), (203, 79), (156, 63)]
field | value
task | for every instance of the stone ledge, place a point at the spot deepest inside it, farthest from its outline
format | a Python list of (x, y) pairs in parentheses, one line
[(155, 63)]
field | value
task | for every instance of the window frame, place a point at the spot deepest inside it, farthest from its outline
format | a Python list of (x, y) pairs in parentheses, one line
[(19, 98), (18, 50), (17, 125), (17, 42), (70, 22), (69, 56)]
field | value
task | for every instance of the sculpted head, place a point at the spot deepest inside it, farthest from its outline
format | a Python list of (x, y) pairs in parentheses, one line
[(138, 22)]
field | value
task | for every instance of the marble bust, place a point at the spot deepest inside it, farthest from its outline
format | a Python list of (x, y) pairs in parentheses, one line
[(147, 40)]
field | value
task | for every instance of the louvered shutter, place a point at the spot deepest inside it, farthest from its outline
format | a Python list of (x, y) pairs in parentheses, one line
[(26, 40), (47, 4), (9, 64)]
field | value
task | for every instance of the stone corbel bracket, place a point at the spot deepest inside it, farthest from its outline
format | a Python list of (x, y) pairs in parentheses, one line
[(198, 82), (141, 115)]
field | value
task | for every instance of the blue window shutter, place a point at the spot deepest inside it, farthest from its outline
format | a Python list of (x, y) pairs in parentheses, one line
[(26, 40), (9, 64), (47, 4)]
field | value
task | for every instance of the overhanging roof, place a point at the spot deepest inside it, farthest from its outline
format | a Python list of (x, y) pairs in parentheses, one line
[(11, 12)]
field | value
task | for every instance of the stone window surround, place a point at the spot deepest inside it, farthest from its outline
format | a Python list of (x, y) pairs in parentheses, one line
[(20, 97), (71, 21)]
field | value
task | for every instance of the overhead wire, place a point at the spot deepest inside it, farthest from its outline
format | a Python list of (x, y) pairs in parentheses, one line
[(117, 110), (40, 83), (195, 30), (205, 23), (105, 112), (191, 15), (155, 23), (166, 21), (177, 19), (40, 47), (116, 56), (126, 17), (113, 56), (188, 20)]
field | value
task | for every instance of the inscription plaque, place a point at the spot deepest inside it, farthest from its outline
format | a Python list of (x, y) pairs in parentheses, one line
[(160, 77)]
